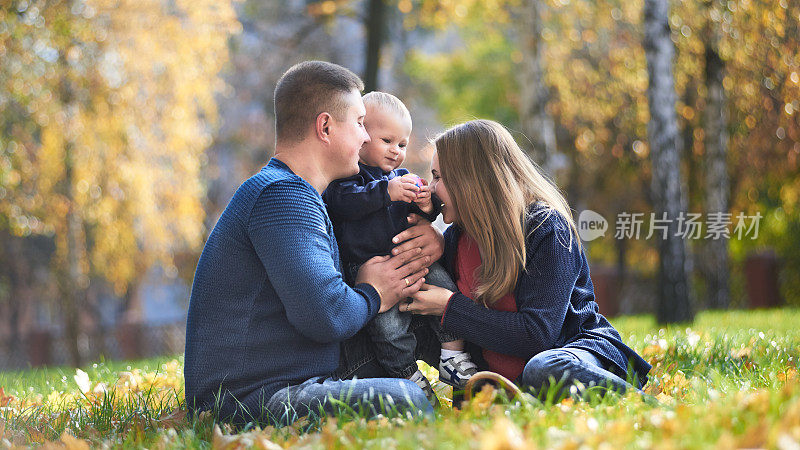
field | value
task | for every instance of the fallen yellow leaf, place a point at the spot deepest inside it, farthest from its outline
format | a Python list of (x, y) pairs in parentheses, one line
[(504, 435), (82, 380), (221, 441), (173, 419), (5, 399), (73, 443)]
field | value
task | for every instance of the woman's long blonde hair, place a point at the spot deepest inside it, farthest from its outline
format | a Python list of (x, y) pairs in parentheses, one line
[(491, 183)]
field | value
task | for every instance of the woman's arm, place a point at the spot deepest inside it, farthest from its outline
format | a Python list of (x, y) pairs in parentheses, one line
[(543, 296)]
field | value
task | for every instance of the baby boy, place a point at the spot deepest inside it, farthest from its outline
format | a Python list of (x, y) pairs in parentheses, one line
[(370, 208)]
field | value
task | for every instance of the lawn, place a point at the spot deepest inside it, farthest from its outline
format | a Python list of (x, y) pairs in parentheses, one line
[(728, 381)]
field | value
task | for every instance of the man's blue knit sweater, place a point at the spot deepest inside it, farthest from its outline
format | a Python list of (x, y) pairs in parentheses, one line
[(268, 306)]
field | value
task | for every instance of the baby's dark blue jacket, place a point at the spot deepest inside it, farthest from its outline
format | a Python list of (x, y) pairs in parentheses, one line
[(364, 218)]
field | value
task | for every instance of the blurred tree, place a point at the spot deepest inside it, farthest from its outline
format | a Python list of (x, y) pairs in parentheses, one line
[(376, 28), (757, 46), (537, 123), (25, 261), (103, 134), (669, 201), (714, 255), (595, 67), (376, 16)]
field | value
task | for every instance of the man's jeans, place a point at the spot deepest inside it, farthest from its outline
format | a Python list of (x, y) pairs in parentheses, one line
[(367, 397), (393, 341)]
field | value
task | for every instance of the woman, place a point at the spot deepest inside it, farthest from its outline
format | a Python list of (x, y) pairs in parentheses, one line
[(526, 301)]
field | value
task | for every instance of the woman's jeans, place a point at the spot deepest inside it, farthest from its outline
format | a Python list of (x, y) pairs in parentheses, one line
[(565, 368), (394, 344)]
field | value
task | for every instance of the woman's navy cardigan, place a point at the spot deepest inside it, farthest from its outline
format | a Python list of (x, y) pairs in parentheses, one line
[(555, 302)]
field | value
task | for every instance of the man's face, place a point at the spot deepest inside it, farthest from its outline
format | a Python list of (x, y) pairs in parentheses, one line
[(348, 136), (389, 137)]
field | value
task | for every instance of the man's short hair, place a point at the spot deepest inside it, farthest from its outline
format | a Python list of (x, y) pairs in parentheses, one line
[(388, 103), (305, 91)]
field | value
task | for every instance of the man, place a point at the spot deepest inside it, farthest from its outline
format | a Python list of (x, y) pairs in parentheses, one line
[(269, 306)]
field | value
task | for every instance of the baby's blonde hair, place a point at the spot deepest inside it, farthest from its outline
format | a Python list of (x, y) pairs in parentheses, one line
[(388, 103)]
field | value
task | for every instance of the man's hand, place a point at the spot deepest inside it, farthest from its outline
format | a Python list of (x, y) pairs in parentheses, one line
[(403, 189), (394, 277), (421, 235)]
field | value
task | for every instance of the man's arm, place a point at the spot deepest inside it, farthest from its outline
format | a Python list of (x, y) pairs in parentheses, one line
[(289, 233)]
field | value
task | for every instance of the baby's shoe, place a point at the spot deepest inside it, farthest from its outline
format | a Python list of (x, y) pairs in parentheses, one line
[(425, 385), (457, 370)]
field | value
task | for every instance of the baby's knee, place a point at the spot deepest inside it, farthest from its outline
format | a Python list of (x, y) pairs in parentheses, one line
[(391, 323), (437, 276)]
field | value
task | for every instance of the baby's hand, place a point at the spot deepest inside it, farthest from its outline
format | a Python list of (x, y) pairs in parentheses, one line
[(424, 197), (403, 189)]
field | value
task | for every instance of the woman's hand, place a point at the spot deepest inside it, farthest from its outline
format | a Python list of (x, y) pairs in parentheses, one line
[(430, 300), (423, 200), (420, 235)]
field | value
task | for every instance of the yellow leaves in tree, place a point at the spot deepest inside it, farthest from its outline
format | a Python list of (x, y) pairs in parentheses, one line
[(121, 140)]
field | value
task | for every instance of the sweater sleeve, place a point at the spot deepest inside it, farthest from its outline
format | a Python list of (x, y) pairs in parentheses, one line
[(542, 297), (350, 199), (288, 229), (430, 217)]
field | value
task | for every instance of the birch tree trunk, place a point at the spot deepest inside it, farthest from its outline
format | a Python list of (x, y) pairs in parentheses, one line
[(667, 186), (71, 292), (69, 271), (537, 124), (717, 187)]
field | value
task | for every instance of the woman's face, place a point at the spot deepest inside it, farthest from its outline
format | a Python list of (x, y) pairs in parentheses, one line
[(437, 187)]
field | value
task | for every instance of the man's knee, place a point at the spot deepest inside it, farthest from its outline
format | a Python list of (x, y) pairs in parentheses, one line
[(409, 396), (385, 395)]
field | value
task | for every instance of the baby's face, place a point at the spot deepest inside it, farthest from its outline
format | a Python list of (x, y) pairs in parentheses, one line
[(389, 135)]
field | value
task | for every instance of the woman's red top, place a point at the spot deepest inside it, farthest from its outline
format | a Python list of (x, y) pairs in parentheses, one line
[(468, 260)]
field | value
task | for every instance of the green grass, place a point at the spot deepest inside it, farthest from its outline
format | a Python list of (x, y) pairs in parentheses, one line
[(728, 380), (48, 379)]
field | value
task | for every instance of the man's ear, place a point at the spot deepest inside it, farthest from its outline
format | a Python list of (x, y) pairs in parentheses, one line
[(322, 127)]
